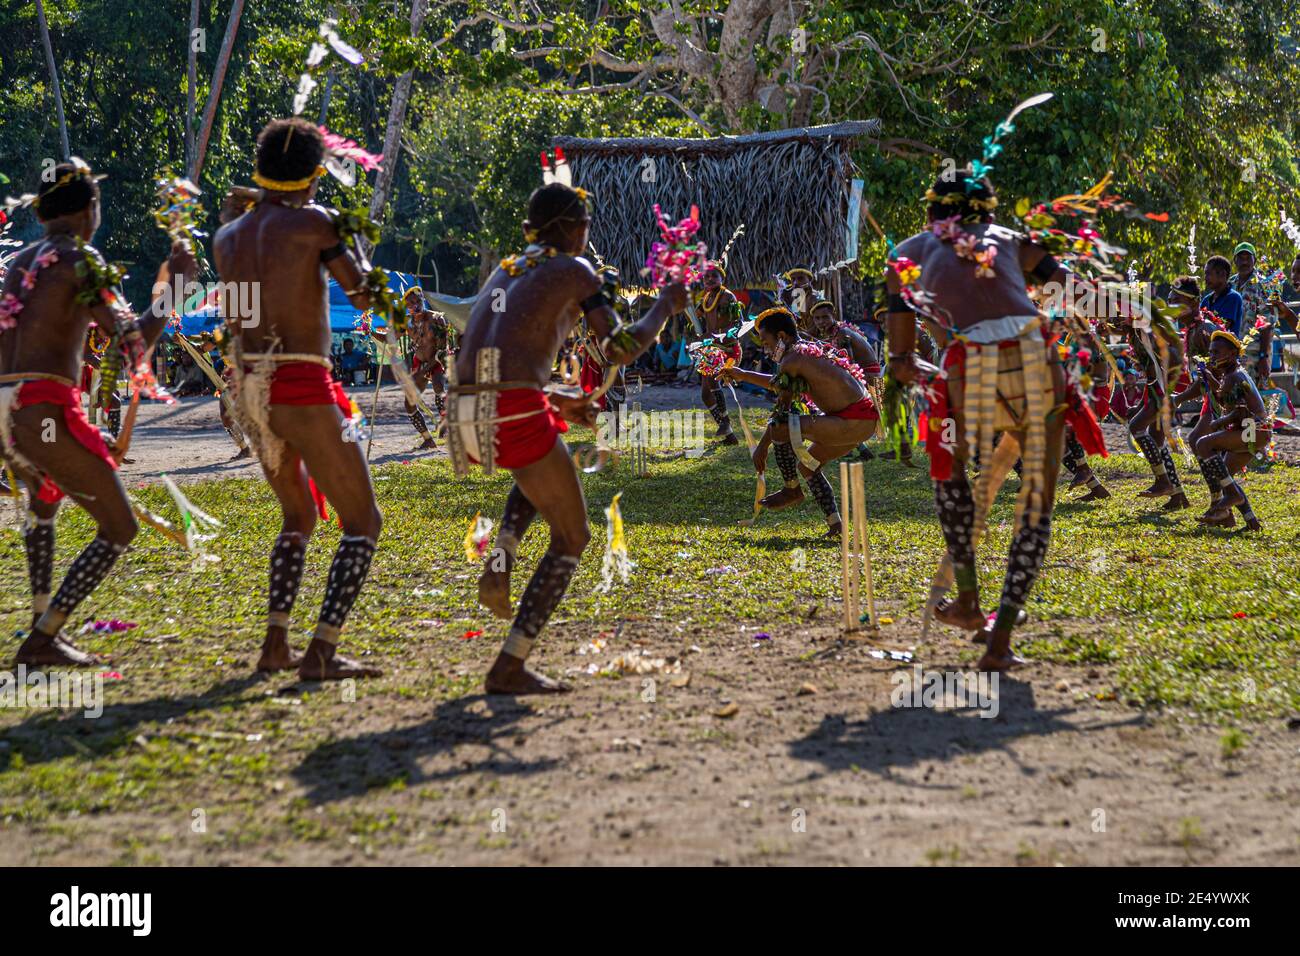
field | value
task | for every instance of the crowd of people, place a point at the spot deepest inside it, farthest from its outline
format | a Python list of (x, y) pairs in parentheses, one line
[(978, 353)]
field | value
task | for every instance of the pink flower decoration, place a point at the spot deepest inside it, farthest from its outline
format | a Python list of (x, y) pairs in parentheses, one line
[(947, 230), (10, 306), (965, 245), (347, 148), (676, 259)]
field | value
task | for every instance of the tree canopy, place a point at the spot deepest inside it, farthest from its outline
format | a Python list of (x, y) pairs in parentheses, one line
[(1188, 102)]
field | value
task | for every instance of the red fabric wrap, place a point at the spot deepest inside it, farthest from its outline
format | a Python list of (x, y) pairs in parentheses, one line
[(860, 410), (522, 442), (1080, 417), (1101, 401), (306, 383), (1079, 414), (432, 369), (591, 378), (42, 392)]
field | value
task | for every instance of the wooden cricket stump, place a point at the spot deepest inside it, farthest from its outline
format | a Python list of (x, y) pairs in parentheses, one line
[(640, 459), (855, 549)]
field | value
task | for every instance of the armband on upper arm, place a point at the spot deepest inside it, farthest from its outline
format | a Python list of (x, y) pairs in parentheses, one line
[(1045, 269), (593, 302), (896, 303), (333, 252)]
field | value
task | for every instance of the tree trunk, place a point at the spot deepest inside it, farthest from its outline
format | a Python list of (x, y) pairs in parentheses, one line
[(325, 99), (192, 83), (214, 95), (488, 260), (396, 121), (54, 80)]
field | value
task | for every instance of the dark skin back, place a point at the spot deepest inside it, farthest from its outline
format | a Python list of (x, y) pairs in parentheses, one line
[(279, 247), (278, 244), (541, 309), (50, 334)]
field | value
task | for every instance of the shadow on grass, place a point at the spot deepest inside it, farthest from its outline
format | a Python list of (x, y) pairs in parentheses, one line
[(900, 737), (51, 734), (353, 766)]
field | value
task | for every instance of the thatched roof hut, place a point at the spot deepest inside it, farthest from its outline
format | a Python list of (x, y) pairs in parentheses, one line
[(790, 189)]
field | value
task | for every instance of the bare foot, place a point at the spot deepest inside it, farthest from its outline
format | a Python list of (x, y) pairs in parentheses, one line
[(1081, 476), (834, 532), (1218, 517), (730, 439), (1252, 524), (494, 592), (1162, 488), (999, 663), (43, 650), (1232, 497), (785, 498), (981, 636), (243, 453), (1178, 502), (1097, 494), (322, 662), (426, 444), (509, 676), (960, 615), (277, 655)]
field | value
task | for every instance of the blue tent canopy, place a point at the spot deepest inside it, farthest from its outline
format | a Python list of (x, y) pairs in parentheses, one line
[(343, 315)]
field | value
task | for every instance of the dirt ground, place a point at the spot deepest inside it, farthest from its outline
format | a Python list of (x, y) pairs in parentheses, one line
[(781, 748)]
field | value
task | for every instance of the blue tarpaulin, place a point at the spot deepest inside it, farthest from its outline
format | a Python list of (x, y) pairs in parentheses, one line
[(343, 315)]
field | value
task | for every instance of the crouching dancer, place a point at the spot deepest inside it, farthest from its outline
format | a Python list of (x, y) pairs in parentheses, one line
[(54, 288), (292, 410), (500, 413), (813, 374)]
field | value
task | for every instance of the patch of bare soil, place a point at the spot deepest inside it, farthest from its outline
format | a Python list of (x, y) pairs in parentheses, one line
[(747, 751)]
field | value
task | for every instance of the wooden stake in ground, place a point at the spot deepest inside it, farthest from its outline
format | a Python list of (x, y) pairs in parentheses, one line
[(381, 353), (855, 548), (640, 465)]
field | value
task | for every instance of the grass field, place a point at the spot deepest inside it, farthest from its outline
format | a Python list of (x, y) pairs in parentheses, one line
[(1154, 614)]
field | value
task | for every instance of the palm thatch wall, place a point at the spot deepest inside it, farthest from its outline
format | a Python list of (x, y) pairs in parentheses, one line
[(789, 188)]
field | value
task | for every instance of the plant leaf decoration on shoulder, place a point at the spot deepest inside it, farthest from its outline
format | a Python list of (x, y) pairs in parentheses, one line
[(533, 255), (353, 225)]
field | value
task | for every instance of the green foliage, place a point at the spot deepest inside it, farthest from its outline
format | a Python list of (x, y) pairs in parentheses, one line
[(1191, 104)]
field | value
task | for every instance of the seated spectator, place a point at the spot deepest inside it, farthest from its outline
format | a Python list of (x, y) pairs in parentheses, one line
[(873, 327), (352, 363), (665, 353), (1128, 398), (190, 379)]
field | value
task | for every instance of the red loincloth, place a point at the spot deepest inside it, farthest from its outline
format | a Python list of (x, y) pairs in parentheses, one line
[(1101, 401), (1078, 415), (42, 392), (522, 442), (591, 378), (434, 369), (862, 410), (306, 383)]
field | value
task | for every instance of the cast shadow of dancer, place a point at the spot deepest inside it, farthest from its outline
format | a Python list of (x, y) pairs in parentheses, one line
[(353, 766), (899, 737), (51, 734)]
